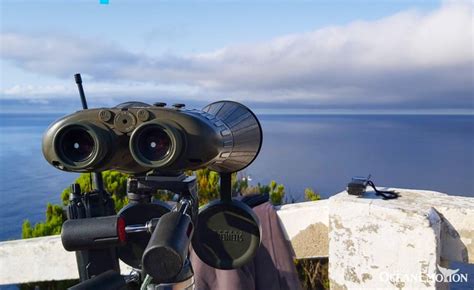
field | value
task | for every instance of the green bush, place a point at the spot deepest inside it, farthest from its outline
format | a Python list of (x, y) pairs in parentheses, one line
[(115, 183), (275, 191), (310, 195), (208, 184), (52, 225)]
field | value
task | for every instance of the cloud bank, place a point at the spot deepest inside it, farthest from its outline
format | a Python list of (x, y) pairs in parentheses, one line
[(407, 60)]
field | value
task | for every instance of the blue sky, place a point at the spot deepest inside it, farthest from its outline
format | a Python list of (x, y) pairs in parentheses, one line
[(330, 55)]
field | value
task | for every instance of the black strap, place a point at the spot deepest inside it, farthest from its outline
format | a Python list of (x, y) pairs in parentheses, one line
[(383, 193)]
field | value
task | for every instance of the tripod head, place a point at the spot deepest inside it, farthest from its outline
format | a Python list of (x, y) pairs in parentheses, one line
[(152, 237)]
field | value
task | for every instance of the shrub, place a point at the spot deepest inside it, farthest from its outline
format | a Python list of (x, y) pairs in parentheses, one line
[(310, 195)]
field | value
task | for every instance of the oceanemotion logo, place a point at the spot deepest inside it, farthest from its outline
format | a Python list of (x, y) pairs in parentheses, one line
[(449, 275), (444, 275)]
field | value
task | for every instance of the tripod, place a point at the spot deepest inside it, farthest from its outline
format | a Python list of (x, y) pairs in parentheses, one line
[(157, 235), (170, 234)]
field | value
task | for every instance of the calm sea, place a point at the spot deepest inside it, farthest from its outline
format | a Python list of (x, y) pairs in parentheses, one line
[(321, 152)]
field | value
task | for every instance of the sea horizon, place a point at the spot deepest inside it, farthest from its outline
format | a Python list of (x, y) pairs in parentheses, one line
[(294, 112)]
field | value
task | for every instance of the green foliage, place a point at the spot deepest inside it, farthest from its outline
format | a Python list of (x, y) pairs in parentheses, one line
[(115, 183), (310, 195), (274, 190), (277, 192), (240, 184), (208, 184), (52, 226)]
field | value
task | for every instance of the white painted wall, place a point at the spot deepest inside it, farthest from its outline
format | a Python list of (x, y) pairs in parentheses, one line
[(397, 244)]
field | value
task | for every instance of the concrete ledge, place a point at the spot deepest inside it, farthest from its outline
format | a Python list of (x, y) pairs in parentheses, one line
[(38, 259), (306, 226), (371, 239)]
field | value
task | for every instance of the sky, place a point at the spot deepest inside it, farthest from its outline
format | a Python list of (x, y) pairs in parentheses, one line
[(360, 55)]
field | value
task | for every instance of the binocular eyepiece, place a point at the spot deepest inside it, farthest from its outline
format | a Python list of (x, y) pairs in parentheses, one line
[(136, 137)]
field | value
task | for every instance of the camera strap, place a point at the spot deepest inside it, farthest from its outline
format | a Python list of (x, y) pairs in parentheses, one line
[(384, 193)]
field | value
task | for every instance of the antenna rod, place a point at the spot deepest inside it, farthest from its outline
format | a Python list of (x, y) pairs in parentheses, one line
[(78, 79)]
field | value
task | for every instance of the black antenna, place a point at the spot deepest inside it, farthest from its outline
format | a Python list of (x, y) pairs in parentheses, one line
[(98, 181), (78, 79)]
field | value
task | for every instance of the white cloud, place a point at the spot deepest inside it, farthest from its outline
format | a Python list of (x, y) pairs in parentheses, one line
[(408, 59), (59, 55), (100, 89)]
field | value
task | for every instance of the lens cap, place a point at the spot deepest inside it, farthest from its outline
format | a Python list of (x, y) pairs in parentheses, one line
[(138, 214), (227, 235)]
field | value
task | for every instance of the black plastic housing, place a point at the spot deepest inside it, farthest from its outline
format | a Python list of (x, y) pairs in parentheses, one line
[(93, 233), (225, 136), (167, 250)]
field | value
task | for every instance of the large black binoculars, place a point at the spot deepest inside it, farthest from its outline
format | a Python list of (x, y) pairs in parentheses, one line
[(156, 144), (136, 137)]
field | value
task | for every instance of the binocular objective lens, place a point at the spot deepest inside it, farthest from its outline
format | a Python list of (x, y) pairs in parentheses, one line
[(154, 144), (77, 144)]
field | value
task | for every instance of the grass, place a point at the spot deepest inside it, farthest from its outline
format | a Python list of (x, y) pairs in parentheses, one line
[(313, 273)]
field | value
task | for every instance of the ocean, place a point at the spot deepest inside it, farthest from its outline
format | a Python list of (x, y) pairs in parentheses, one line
[(322, 152)]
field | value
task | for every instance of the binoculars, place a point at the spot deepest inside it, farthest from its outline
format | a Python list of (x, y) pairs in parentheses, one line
[(135, 138), (155, 144)]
